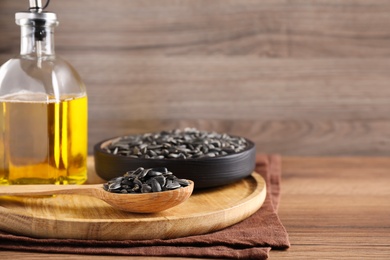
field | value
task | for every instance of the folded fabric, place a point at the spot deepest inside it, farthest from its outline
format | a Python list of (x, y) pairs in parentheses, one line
[(252, 238)]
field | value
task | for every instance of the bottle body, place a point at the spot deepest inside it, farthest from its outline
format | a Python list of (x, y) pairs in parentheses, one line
[(43, 116), (43, 122)]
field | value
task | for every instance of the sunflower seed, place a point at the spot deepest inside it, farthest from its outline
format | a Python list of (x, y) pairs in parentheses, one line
[(177, 144), (143, 180)]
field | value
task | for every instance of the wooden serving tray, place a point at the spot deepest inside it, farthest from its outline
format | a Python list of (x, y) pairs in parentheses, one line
[(82, 217)]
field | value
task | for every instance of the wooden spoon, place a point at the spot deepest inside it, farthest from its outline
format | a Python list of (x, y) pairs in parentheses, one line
[(137, 203)]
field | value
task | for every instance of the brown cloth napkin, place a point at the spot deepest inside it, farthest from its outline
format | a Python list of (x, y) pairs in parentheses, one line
[(252, 238)]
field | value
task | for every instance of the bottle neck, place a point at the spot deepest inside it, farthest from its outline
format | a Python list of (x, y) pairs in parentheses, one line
[(37, 41)]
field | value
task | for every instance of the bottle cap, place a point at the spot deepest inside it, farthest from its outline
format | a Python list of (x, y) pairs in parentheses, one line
[(36, 15), (31, 18)]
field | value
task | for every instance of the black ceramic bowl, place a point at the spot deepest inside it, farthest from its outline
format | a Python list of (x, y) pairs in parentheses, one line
[(205, 172)]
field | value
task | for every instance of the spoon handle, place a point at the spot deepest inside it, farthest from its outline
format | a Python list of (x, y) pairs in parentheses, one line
[(46, 189)]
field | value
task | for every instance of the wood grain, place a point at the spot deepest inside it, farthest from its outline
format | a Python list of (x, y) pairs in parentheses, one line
[(270, 28), (336, 208), (79, 217), (305, 77)]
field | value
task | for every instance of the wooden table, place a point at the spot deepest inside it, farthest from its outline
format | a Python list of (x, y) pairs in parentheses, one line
[(336, 208), (332, 208)]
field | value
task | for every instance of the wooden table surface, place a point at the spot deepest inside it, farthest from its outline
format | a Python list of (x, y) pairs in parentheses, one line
[(332, 208)]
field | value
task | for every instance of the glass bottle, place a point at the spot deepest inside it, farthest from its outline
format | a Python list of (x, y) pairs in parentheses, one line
[(43, 116)]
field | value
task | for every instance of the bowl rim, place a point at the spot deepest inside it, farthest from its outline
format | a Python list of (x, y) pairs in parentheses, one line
[(98, 148)]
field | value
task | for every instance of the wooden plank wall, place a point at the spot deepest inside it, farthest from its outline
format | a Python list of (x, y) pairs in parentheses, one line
[(302, 77)]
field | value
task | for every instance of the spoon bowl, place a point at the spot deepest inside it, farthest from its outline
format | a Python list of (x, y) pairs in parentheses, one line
[(137, 203)]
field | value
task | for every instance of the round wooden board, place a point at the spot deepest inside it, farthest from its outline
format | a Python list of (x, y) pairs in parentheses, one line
[(81, 217)]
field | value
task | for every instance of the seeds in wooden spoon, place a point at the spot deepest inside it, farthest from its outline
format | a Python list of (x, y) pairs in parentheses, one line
[(145, 181)]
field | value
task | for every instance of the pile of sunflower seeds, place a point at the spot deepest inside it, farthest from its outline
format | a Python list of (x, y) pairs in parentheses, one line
[(177, 144), (144, 181)]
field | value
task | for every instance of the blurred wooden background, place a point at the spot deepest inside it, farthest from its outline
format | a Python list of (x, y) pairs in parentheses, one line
[(300, 77)]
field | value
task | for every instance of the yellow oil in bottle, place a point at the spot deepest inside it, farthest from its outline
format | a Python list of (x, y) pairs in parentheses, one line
[(43, 143)]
